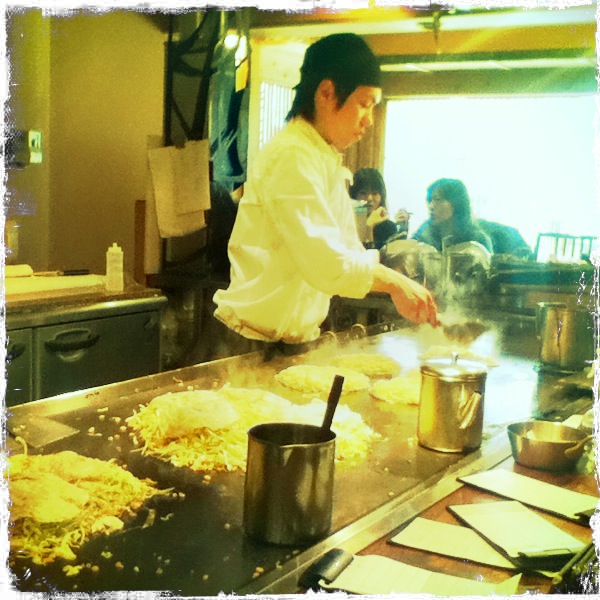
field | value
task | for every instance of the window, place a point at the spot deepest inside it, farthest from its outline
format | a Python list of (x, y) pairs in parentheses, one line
[(275, 103), (527, 161)]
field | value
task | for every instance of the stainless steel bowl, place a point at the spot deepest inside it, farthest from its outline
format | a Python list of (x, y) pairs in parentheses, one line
[(545, 445)]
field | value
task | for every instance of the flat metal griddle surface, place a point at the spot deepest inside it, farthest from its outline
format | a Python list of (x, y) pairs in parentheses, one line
[(196, 545)]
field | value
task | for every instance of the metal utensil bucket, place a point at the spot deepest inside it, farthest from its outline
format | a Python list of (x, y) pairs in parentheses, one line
[(451, 405), (566, 335), (288, 494)]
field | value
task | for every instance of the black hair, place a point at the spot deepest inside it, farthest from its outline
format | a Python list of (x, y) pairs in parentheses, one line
[(455, 192), (368, 180), (346, 59)]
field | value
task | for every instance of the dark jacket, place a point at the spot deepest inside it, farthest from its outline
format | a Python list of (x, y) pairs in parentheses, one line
[(382, 232), (429, 234), (505, 239)]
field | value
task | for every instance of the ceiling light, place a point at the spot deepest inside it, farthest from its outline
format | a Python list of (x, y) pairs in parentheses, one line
[(473, 65), (231, 40)]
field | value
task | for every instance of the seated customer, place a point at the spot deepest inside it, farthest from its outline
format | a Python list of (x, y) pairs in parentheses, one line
[(368, 185), (506, 239), (450, 220)]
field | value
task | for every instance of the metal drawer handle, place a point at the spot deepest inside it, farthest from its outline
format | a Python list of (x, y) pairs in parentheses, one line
[(151, 324), (14, 351), (63, 345)]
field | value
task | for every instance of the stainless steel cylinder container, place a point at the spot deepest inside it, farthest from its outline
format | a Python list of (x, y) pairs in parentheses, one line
[(451, 404), (288, 494), (551, 394), (566, 335)]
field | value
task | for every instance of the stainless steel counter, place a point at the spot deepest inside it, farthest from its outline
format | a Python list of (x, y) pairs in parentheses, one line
[(52, 309), (199, 546)]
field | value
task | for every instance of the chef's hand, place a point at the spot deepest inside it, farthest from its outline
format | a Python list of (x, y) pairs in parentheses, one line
[(412, 300)]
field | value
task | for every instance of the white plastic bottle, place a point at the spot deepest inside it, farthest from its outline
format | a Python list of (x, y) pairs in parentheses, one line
[(114, 268)]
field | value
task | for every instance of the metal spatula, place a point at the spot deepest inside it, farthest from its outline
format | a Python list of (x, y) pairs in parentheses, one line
[(39, 431)]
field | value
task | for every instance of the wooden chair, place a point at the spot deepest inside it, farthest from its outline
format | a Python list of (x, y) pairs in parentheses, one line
[(564, 247)]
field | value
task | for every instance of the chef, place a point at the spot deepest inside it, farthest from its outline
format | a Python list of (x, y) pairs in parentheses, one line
[(294, 244)]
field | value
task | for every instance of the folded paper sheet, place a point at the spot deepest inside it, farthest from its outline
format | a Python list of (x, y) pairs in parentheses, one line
[(381, 575), (18, 271), (450, 540), (527, 490), (180, 187), (517, 530)]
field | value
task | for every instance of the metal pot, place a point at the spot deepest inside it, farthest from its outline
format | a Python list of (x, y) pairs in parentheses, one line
[(412, 258), (464, 272), (566, 335), (451, 404), (552, 395)]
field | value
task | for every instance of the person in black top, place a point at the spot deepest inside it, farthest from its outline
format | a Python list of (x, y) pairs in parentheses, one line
[(368, 185)]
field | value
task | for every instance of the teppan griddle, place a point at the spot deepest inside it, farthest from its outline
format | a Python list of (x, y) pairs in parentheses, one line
[(196, 544)]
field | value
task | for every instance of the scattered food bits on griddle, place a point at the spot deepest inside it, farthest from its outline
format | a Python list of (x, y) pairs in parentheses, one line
[(107, 524), (72, 570)]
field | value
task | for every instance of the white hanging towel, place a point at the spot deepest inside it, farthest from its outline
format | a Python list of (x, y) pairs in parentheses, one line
[(180, 187)]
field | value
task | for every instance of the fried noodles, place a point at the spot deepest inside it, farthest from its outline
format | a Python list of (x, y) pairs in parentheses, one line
[(223, 448), (73, 506)]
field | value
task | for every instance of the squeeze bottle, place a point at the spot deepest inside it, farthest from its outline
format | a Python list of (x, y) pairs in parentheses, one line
[(114, 268)]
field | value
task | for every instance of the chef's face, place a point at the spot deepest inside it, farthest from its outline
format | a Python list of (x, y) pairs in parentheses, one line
[(440, 209), (345, 125)]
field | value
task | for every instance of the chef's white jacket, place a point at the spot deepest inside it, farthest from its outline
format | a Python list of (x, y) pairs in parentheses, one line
[(294, 244)]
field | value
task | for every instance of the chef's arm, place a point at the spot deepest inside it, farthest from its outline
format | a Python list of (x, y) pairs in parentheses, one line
[(412, 300)]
